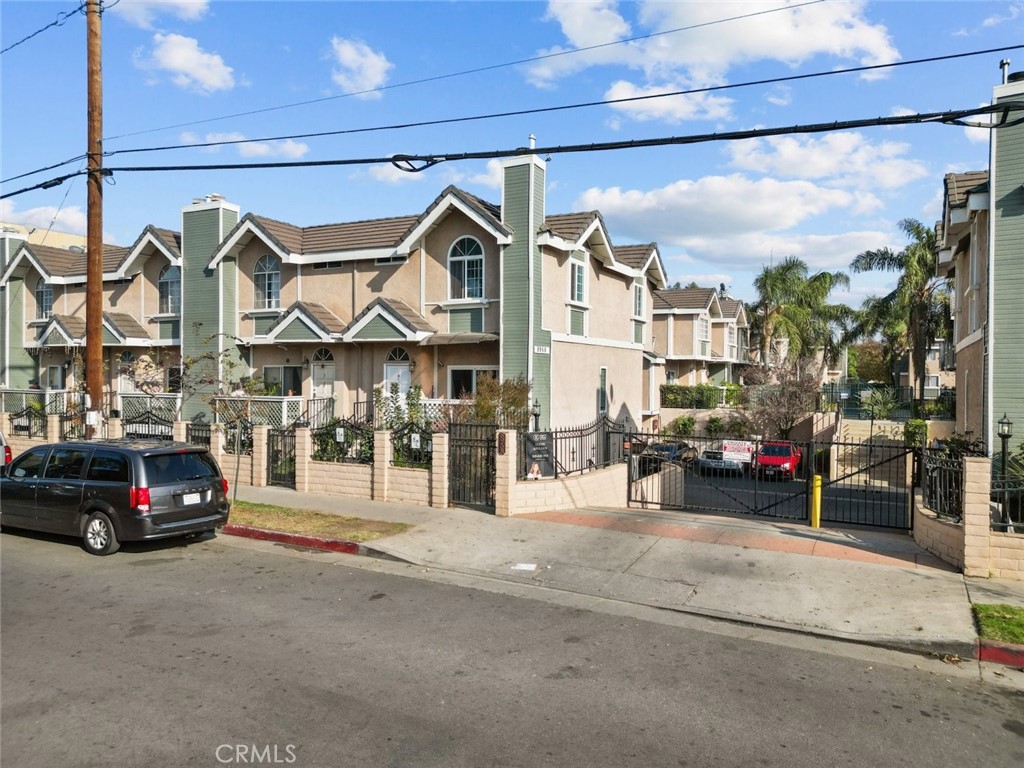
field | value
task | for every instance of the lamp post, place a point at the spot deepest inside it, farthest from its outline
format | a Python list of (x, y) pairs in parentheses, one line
[(535, 412), (1005, 433)]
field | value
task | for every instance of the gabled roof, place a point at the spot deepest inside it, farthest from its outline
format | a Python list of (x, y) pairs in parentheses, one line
[(315, 315), (645, 258), (125, 326), (70, 327), (485, 214), (61, 265), (685, 298), (165, 241), (402, 319), (733, 310)]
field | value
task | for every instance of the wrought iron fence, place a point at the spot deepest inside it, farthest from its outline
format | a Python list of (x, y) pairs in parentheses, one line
[(72, 426), (411, 446), (319, 411), (942, 484), (343, 440), (580, 449), (1008, 494), (199, 432), (238, 437), (148, 424), (29, 422)]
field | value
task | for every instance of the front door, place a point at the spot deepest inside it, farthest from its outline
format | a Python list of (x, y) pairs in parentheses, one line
[(323, 380), (397, 373)]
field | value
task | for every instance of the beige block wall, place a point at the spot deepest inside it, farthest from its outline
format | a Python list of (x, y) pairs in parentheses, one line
[(970, 386), (353, 480), (943, 538), (1006, 556), (409, 485)]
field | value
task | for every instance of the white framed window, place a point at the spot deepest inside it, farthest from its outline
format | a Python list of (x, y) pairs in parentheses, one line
[(638, 301), (577, 281), (463, 380), (169, 287), (670, 376), (932, 380), (466, 269), (44, 299), (266, 277), (283, 380), (703, 329)]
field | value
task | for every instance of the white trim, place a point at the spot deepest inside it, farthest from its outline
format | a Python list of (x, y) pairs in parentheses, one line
[(400, 325), (248, 228), (590, 341), (287, 320), (460, 304), (440, 210), (135, 253)]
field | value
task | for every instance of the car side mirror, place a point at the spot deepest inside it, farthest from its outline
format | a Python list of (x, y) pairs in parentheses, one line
[(3, 470)]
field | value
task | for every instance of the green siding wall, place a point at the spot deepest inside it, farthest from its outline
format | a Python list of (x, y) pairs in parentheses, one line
[(109, 339), (1008, 278), (379, 329), (21, 368), (262, 324), (297, 330), (170, 329), (577, 321), (466, 321), (515, 295), (202, 231)]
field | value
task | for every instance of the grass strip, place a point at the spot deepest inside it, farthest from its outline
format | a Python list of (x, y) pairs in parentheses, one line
[(311, 523), (1002, 623)]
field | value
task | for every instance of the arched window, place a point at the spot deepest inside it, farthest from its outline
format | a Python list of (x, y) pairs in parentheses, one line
[(397, 355), (44, 299), (266, 276), (169, 285), (323, 355), (466, 268)]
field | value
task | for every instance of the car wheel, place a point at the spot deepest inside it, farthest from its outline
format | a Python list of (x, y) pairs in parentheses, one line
[(98, 536)]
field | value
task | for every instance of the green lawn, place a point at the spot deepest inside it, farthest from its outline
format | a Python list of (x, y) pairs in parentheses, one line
[(1002, 623), (311, 523)]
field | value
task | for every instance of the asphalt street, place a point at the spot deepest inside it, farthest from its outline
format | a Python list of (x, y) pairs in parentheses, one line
[(180, 654)]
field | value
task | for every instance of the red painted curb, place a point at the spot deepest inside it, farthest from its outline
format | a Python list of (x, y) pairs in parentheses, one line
[(295, 539), (1001, 653)]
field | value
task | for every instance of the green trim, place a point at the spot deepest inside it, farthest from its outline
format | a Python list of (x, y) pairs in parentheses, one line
[(297, 330), (466, 320), (379, 329)]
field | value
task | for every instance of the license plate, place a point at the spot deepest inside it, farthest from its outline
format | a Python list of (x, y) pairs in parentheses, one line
[(191, 498)]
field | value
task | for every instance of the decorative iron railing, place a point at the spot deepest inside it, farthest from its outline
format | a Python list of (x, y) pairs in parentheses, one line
[(238, 437), (581, 449), (411, 446), (199, 432), (343, 440), (29, 422)]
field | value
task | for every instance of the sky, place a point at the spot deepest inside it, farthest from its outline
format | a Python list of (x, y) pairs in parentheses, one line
[(185, 72)]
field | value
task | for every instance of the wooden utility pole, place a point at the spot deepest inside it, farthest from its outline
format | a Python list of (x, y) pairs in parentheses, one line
[(94, 226)]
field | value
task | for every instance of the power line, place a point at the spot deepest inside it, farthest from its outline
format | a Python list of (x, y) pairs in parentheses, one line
[(538, 110), (416, 163), (62, 18), (465, 72), (565, 107)]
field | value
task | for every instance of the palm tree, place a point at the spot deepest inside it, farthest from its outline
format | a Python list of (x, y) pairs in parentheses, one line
[(793, 305), (916, 311)]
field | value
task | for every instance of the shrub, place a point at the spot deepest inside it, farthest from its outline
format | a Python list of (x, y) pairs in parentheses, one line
[(737, 427), (683, 426), (714, 426), (915, 432)]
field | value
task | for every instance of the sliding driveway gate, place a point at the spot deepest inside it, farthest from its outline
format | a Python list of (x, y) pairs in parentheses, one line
[(862, 483)]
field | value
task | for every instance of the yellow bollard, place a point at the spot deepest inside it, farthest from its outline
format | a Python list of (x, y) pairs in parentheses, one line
[(816, 503)]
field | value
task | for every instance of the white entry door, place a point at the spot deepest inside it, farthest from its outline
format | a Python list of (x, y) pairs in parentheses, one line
[(323, 380), (397, 372)]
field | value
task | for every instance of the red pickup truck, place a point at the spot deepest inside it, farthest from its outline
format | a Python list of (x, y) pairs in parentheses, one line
[(777, 458)]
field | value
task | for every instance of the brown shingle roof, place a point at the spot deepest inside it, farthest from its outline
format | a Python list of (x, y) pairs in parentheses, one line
[(73, 325), (126, 325), (400, 309), (326, 320), (60, 262), (328, 238), (730, 307), (684, 298), (569, 226), (170, 239), (634, 256), (958, 185)]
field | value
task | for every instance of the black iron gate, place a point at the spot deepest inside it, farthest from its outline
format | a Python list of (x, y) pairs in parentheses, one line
[(148, 424), (867, 483), (704, 474), (471, 465), (281, 457)]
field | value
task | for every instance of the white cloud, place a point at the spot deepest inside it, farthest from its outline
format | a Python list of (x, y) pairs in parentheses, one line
[(1013, 13), (491, 177), (286, 148), (361, 69), (70, 219), (979, 135), (389, 174), (838, 29), (188, 65), (932, 210), (142, 13), (712, 207), (843, 159), (675, 109), (780, 96), (899, 111)]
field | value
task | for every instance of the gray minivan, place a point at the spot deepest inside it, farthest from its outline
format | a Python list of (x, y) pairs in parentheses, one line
[(109, 491)]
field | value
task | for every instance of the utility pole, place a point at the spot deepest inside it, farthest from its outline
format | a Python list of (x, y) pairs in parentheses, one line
[(94, 226)]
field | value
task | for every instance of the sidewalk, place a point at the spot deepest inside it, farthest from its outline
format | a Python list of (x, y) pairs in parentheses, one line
[(870, 587)]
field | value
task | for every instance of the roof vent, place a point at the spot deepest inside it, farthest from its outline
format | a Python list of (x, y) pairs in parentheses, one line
[(76, 249), (1015, 77), (214, 197)]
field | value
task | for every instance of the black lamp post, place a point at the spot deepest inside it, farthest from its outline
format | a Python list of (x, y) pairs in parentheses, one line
[(1005, 433), (535, 412)]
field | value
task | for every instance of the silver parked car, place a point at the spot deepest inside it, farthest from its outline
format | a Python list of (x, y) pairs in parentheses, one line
[(109, 491)]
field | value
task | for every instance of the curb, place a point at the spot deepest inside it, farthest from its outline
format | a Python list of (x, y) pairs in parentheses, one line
[(981, 650), (1001, 653), (295, 539)]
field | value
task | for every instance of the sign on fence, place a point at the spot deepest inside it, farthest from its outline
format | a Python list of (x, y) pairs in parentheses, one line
[(539, 458), (737, 450)]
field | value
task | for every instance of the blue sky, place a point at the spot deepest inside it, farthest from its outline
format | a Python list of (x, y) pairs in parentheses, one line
[(184, 71)]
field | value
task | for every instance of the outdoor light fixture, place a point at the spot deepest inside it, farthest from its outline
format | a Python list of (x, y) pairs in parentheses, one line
[(1005, 427), (1005, 433), (305, 363), (535, 412), (412, 366)]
